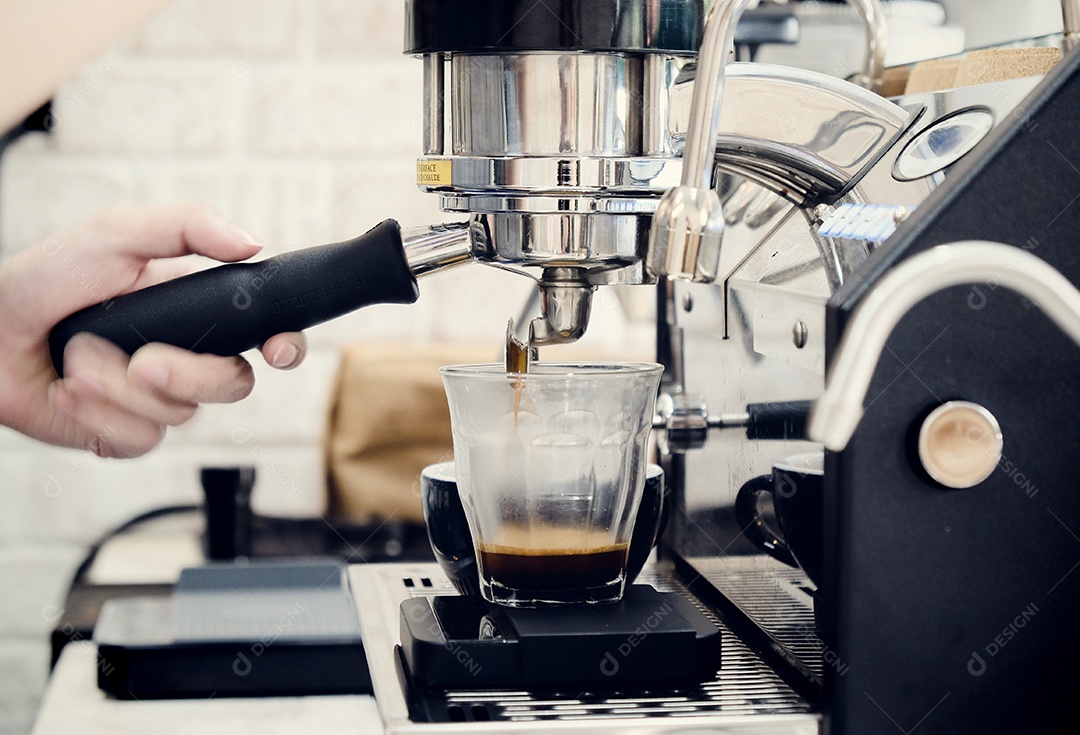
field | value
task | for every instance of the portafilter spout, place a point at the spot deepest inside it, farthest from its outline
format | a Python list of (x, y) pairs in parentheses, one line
[(565, 305), (565, 292)]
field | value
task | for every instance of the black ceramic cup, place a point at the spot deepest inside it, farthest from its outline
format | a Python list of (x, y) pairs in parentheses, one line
[(796, 488), (448, 530)]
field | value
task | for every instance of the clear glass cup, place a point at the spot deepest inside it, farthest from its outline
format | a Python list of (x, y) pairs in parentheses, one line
[(550, 466)]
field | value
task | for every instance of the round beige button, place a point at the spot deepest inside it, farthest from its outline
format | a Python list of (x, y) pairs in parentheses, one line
[(960, 444)]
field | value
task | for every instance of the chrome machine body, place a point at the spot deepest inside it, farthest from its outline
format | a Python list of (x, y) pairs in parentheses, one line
[(592, 144)]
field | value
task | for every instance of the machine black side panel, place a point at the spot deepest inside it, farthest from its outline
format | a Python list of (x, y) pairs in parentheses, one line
[(956, 611)]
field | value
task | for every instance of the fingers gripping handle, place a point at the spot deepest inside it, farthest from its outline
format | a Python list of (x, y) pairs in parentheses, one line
[(232, 308)]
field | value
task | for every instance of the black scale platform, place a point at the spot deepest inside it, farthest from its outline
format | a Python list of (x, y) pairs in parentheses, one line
[(648, 638)]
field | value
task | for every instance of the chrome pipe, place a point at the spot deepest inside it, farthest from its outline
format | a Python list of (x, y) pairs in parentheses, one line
[(709, 91), (1070, 16), (877, 39), (433, 104), (684, 241), (436, 248), (837, 413)]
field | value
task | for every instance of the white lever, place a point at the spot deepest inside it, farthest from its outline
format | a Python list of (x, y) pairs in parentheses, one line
[(837, 413)]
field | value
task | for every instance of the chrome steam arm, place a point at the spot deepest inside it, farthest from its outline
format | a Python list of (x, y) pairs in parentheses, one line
[(688, 226)]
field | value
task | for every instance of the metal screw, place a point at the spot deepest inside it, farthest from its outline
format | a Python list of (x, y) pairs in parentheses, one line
[(799, 335), (822, 211)]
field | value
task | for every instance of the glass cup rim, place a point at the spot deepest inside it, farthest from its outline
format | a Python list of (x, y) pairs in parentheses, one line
[(556, 370)]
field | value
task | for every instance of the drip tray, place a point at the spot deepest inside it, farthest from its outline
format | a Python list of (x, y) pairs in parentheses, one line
[(744, 696)]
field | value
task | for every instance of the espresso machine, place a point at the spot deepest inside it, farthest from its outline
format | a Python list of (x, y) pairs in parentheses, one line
[(887, 279), (605, 143)]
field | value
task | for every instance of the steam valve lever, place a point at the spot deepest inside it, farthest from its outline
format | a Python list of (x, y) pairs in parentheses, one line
[(687, 421), (778, 420), (235, 307)]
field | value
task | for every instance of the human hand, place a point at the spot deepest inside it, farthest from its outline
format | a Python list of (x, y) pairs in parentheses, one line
[(108, 402)]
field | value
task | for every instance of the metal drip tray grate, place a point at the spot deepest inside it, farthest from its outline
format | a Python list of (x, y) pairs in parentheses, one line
[(746, 695), (773, 596)]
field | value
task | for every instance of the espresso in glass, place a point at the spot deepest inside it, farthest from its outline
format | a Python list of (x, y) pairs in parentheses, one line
[(554, 564), (550, 466)]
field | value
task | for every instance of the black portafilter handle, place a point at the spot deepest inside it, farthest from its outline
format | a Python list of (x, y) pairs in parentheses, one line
[(235, 307)]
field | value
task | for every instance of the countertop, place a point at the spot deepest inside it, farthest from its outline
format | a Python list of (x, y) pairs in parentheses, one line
[(73, 703)]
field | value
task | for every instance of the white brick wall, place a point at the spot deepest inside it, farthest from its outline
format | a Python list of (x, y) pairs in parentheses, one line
[(299, 120), (24, 662)]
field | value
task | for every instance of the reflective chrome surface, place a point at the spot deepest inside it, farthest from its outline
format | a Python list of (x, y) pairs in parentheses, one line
[(1070, 12), (877, 39), (688, 227), (804, 134), (546, 104), (593, 242), (684, 419), (799, 131), (436, 248), (785, 126), (943, 143), (565, 305), (433, 104), (667, 89), (561, 159), (705, 105), (684, 243), (560, 176)]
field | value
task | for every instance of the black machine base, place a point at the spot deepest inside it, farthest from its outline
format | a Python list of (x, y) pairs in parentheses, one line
[(649, 638)]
